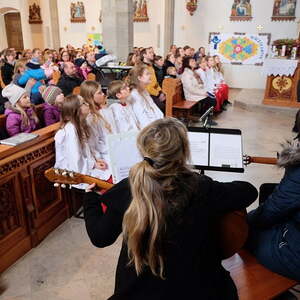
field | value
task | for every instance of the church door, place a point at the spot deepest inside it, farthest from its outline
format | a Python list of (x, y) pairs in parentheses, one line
[(14, 31)]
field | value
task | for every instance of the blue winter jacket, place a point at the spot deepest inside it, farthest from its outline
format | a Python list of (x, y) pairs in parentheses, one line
[(37, 74), (281, 211)]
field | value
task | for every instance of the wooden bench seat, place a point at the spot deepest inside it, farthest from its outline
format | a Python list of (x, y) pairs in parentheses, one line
[(176, 105), (253, 280)]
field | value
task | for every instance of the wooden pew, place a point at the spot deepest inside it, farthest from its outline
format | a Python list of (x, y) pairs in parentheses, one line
[(91, 76), (76, 90), (175, 104), (254, 281), (56, 76), (2, 84)]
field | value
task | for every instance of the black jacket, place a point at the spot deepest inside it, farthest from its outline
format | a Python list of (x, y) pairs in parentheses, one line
[(7, 72), (67, 83), (193, 267), (159, 72)]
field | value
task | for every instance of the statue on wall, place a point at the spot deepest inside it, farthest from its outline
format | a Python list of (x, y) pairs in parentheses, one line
[(77, 12), (35, 14), (284, 10), (140, 11), (241, 10)]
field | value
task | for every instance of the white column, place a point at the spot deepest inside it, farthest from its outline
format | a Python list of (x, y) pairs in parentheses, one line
[(118, 27)]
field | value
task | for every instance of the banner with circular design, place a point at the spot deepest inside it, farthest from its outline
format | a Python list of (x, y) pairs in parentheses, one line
[(247, 49)]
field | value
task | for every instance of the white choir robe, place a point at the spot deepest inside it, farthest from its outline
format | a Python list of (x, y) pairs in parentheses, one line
[(207, 78), (71, 156), (97, 144), (218, 77), (145, 110), (124, 117)]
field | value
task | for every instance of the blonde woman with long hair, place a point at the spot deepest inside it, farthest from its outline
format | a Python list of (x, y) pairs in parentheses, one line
[(167, 214), (100, 120), (20, 113)]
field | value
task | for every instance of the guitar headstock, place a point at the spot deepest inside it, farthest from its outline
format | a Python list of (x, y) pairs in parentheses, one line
[(247, 160), (63, 177)]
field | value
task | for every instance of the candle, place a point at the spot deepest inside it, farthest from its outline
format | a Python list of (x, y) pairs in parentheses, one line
[(283, 49)]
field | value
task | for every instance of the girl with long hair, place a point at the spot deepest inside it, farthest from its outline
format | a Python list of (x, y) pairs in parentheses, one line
[(194, 88), (167, 214), (146, 111), (72, 149), (21, 116), (100, 120), (219, 78)]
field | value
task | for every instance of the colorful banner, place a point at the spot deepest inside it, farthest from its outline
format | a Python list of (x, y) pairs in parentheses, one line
[(247, 49), (94, 39)]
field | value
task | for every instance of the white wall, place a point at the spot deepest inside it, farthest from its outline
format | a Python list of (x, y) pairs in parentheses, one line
[(213, 16), (76, 33), (146, 33)]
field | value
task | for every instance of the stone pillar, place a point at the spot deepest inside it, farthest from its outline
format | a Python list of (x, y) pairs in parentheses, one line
[(117, 27), (169, 24)]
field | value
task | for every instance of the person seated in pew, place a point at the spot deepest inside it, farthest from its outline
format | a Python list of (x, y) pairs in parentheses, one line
[(275, 225), (34, 71), (7, 69), (193, 87), (167, 214), (171, 73), (219, 79), (153, 87), (123, 112), (158, 63), (72, 150), (69, 79), (146, 111), (54, 99), (20, 113)]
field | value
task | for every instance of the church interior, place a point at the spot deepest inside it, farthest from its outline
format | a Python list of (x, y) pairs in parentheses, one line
[(83, 86)]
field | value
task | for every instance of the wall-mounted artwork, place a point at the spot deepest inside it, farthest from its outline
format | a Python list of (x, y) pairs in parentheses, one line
[(77, 12), (35, 14), (240, 48), (241, 10), (140, 11), (191, 6), (284, 10)]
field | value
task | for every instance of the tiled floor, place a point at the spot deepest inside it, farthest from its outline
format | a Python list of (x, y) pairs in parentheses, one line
[(65, 266)]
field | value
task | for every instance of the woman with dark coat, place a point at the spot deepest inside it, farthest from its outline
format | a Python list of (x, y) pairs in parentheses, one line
[(169, 62), (275, 224), (167, 215)]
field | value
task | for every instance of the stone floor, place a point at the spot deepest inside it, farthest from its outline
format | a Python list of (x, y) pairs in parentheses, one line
[(65, 266)]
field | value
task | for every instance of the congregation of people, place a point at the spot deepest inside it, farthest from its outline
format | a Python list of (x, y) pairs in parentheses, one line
[(48, 78)]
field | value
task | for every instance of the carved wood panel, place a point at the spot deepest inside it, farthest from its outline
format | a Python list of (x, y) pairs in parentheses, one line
[(13, 227), (44, 194)]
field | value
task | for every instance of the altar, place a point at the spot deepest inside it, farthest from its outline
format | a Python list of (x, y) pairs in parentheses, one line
[(282, 82)]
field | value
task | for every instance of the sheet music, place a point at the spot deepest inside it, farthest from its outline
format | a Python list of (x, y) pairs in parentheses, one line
[(199, 148), (123, 153), (226, 150)]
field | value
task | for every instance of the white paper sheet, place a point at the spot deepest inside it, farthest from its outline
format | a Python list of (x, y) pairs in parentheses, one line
[(199, 148), (226, 150), (123, 153)]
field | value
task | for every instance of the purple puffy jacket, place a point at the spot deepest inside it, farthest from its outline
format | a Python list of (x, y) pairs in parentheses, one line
[(14, 122), (51, 114)]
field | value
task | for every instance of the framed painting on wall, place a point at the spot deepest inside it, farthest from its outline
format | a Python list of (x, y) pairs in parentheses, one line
[(241, 10), (140, 11), (35, 14), (284, 10), (77, 12)]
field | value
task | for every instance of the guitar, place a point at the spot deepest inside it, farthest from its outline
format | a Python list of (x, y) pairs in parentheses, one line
[(259, 160), (232, 229)]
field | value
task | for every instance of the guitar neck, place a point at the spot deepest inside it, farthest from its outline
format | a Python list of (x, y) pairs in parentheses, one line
[(264, 160), (99, 183)]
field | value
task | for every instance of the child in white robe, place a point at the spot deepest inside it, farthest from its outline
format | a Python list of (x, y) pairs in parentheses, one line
[(73, 152), (100, 120), (146, 111), (123, 112)]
